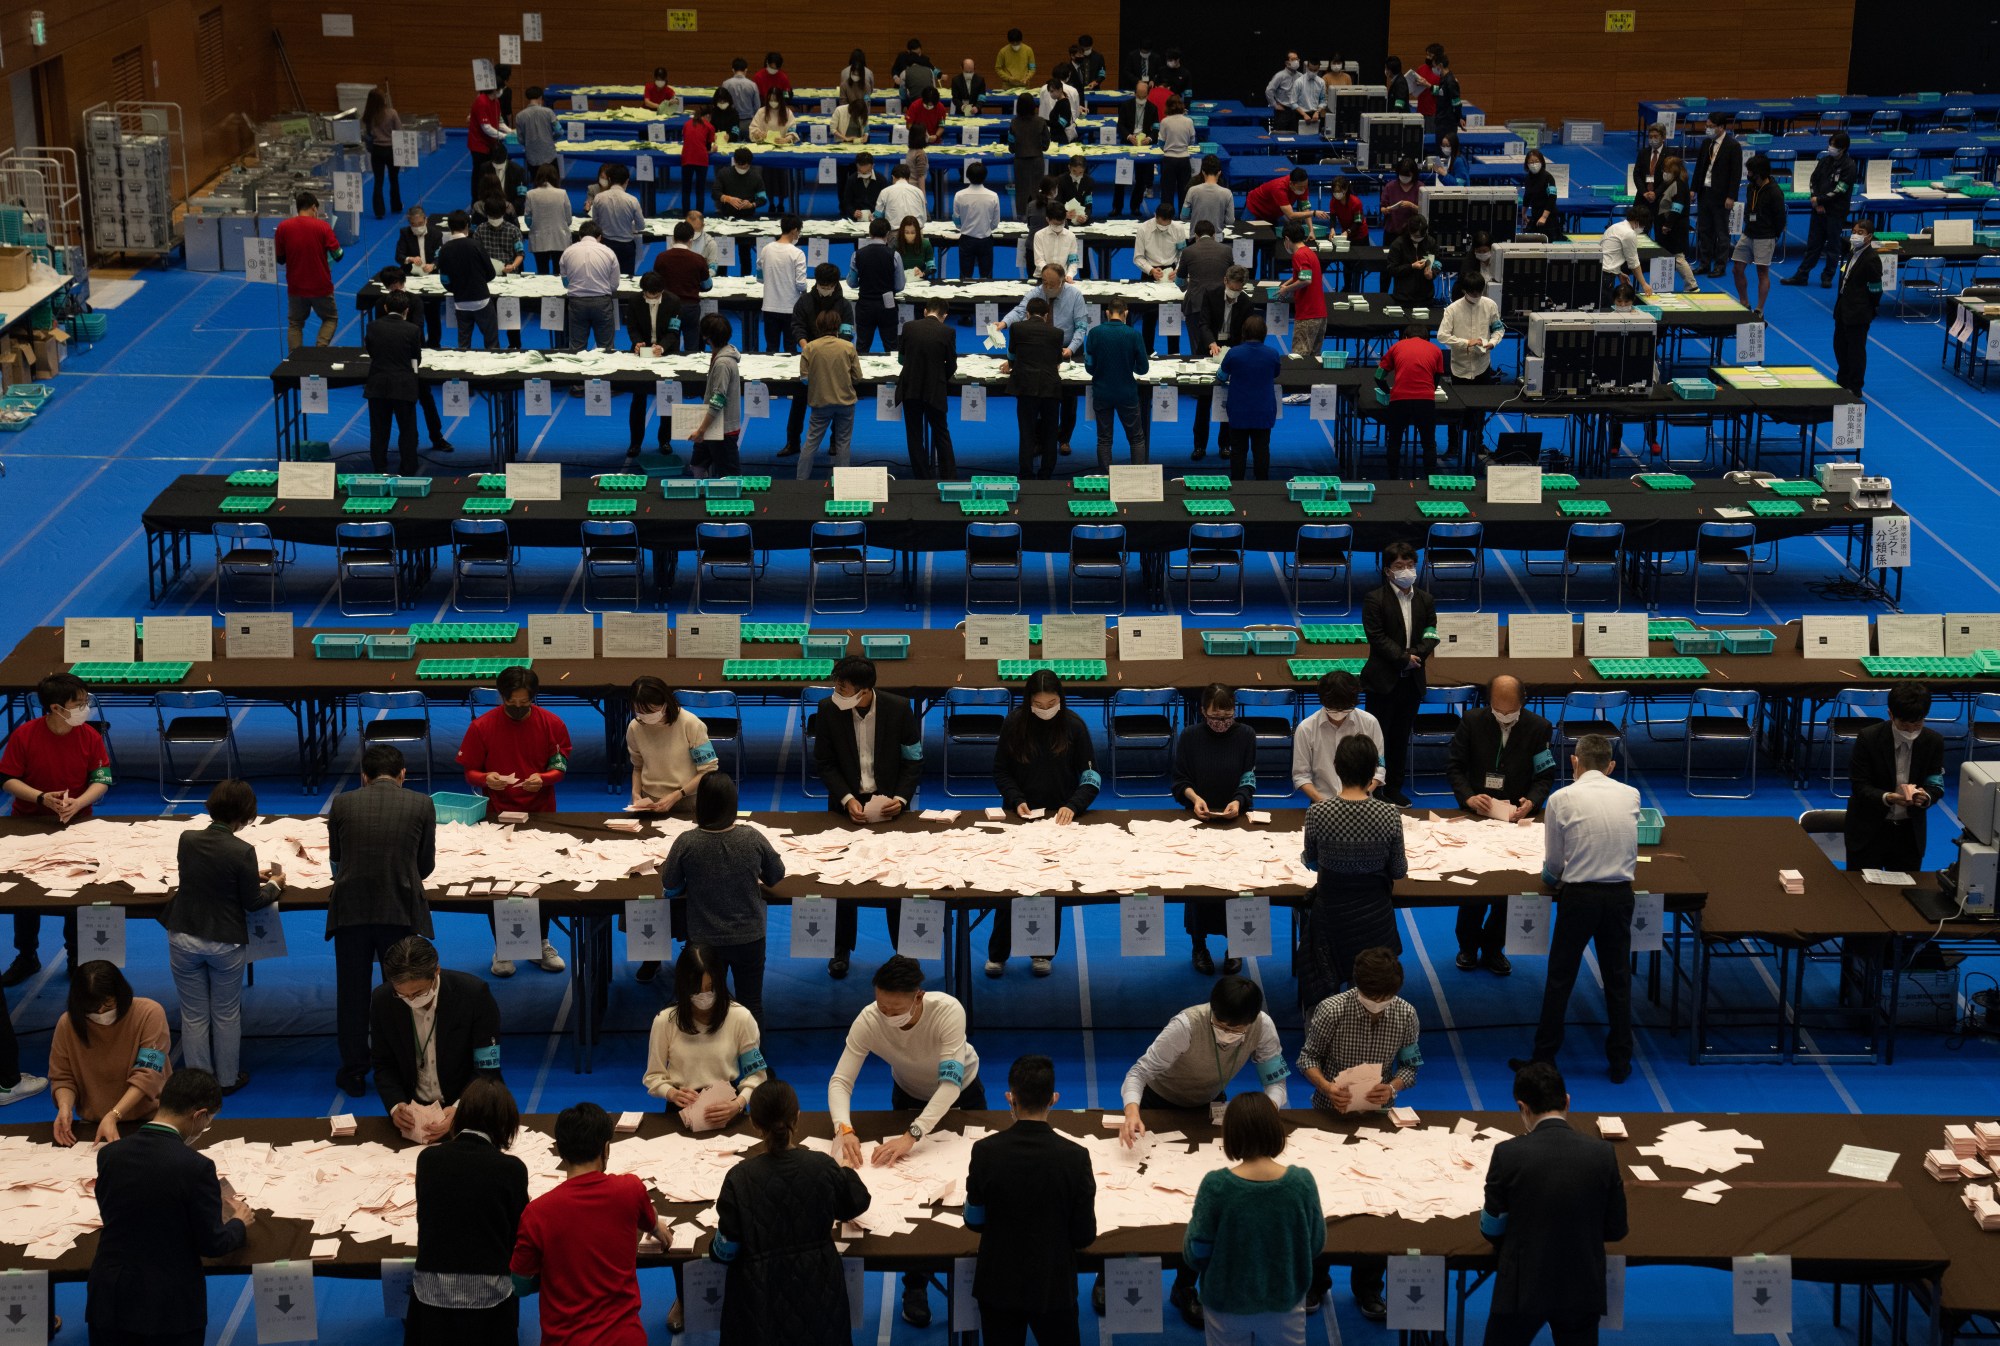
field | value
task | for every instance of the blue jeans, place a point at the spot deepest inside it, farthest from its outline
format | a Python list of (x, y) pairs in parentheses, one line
[(592, 315), (208, 977), (841, 419)]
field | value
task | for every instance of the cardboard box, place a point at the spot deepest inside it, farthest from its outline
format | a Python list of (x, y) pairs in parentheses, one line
[(49, 354), (14, 268)]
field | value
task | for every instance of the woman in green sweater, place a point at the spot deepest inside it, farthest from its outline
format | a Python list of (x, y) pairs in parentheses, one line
[(1254, 1234)]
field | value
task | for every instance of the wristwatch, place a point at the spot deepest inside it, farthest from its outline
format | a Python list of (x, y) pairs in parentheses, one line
[(916, 1132)]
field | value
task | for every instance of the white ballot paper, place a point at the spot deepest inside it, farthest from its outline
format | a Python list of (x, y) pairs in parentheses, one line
[(1154, 637), (1142, 930), (1359, 1080), (877, 808), (695, 1115), (1527, 926), (709, 637), (1540, 636), (1858, 1161)]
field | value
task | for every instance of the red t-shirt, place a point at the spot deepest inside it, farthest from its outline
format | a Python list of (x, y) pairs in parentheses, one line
[(1349, 217), (304, 245), (1267, 201), (1158, 98), (55, 763), (535, 745), (696, 137), (930, 116), (1309, 299), (767, 80), (658, 93), (582, 1240), (485, 112), (1415, 365)]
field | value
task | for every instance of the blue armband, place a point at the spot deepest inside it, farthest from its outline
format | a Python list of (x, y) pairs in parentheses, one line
[(1309, 862), (487, 1057), (1550, 879), (1491, 1225), (1544, 761), (150, 1058), (1410, 1057), (1271, 1071), (674, 325), (1091, 778), (724, 1250), (913, 752), (1248, 778), (701, 754), (1935, 784), (750, 1063), (1201, 1248), (975, 1216), (847, 331), (672, 892), (952, 1072)]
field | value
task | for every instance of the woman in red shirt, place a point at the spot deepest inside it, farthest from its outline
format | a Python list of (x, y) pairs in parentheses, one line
[(927, 113), (696, 138), (657, 90), (772, 76)]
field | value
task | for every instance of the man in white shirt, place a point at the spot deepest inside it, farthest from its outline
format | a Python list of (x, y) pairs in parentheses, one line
[(1590, 849), (783, 264), (921, 1035), (1313, 743), (902, 198), (590, 283), (975, 209), (1055, 245), (1618, 253), (1278, 93), (1309, 97), (1156, 251), (1048, 102), (1470, 329)]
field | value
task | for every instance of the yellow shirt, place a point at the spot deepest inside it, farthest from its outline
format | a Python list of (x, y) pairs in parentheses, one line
[(1012, 68)]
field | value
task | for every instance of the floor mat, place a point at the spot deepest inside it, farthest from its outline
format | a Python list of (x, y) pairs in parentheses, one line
[(112, 293)]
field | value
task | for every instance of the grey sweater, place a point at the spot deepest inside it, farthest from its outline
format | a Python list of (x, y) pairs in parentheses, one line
[(723, 876)]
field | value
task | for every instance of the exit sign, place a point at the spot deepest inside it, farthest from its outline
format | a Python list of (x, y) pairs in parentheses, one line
[(680, 21), (1621, 20)]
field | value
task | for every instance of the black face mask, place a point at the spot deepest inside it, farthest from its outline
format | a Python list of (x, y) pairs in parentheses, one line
[(517, 712)]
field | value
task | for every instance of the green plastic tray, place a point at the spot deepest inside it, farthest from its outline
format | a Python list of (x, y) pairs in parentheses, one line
[(339, 645), (141, 674), (1326, 509), (1312, 670), (609, 508), (1666, 481), (483, 504), (1572, 508), (849, 509), (1649, 669), (379, 504), (464, 633), (982, 508), (1663, 628), (1093, 509), (1794, 489), (1333, 633), (996, 479), (252, 476), (751, 485), (1558, 481), (1692, 641), (729, 509), (1892, 666), (1989, 660), (1445, 481), (491, 481), (772, 633), (1208, 509), (1445, 509), (391, 646), (365, 484), (1091, 485), (622, 481), (246, 504), (776, 670), (469, 668), (1216, 482), (410, 488), (1776, 509), (1082, 670)]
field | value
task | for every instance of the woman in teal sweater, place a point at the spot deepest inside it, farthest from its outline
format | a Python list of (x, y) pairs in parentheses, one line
[(1255, 1231)]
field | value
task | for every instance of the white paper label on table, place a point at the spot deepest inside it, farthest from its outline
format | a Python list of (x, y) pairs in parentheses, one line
[(1649, 918), (1121, 172), (507, 312), (1762, 1294), (531, 26), (1827, 637), (984, 316), (886, 406), (1278, 318), (828, 172), (1065, 637), (1166, 403), (1132, 1296), (812, 927), (1951, 233), (1170, 319), (1243, 251), (1325, 402), (635, 635), (1749, 343), (1513, 485), (756, 401), (1468, 635), (642, 165), (456, 399), (1965, 633), (861, 483), (285, 1308), (923, 929), (24, 1308), (1137, 483), (972, 404), (267, 934), (647, 936), (1858, 1161), (1614, 1293), (1415, 1294), (1034, 921), (1543, 635), (99, 640), (558, 635), (1247, 926), (347, 193), (552, 315), (1879, 179), (816, 251), (906, 313), (725, 252), (257, 635), (305, 481), (1527, 926), (1107, 134), (1889, 541), (596, 400), (996, 637), (535, 397), (517, 928), (1617, 635), (1154, 637), (260, 261), (397, 1275), (1660, 273), (1850, 427), (1142, 928), (534, 481), (702, 1286), (403, 148), (816, 133), (1093, 316), (573, 131), (1218, 405), (964, 1308), (579, 102), (705, 636), (899, 134), (1910, 635), (172, 640), (312, 395)]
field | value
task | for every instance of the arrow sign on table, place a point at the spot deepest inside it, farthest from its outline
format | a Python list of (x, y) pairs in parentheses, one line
[(519, 929), (1762, 1296), (646, 932), (1142, 927), (1639, 923), (920, 929), (1249, 927), (812, 928), (284, 1304), (15, 1313), (1416, 1294), (103, 938), (710, 1297), (1034, 927), (1132, 1295), (1527, 927)]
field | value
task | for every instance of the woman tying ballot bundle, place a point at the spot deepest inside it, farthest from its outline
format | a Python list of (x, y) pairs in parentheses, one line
[(1044, 767)]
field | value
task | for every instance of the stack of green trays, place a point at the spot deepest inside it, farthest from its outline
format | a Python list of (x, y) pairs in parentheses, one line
[(1665, 628), (1888, 666), (382, 504), (469, 668), (982, 508), (772, 633), (1212, 482), (1445, 509), (985, 480), (1093, 509), (752, 485), (1794, 489), (1649, 669), (849, 509), (1572, 508), (491, 481), (622, 481), (1091, 485), (1208, 509), (1666, 481), (486, 504), (1333, 633), (1082, 670), (246, 504), (1312, 670), (252, 477), (1558, 481), (729, 509), (150, 675), (1443, 481), (599, 509), (1776, 509), (1326, 509), (1989, 660), (464, 633), (777, 670)]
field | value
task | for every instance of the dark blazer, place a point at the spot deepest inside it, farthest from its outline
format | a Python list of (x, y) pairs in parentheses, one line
[(406, 243), (218, 883), (468, 1039), (1030, 1195), (1068, 189), (1563, 1200), (1389, 645), (1718, 168), (929, 352), (1139, 117), (162, 1209), (1212, 303), (640, 325), (470, 1195), (1034, 351), (805, 313), (382, 841), (1871, 770), (899, 750), (1860, 289), (1646, 175), (967, 90), (1526, 762), (859, 194), (394, 347)]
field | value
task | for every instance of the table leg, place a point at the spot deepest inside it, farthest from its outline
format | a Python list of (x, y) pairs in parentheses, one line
[(960, 972)]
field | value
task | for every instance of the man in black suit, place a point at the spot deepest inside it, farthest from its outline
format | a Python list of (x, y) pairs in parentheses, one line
[(653, 322), (928, 349), (869, 748), (1854, 308), (1897, 773), (393, 279), (382, 844), (1718, 174), (1401, 623), (1647, 168), (1030, 1196), (1500, 766), (1223, 311), (1136, 118), (1142, 62), (968, 87), (163, 1210), (1553, 1200), (418, 243), (1034, 370), (395, 347), (431, 1032)]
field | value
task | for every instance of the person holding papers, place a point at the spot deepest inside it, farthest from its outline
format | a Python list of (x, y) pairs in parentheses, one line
[(1045, 766), (56, 767), (207, 933), (470, 1195), (1256, 1230), (1500, 766), (652, 325), (1897, 773), (921, 1035), (108, 1057), (395, 347), (1354, 842), (515, 755), (722, 869), (703, 1041), (853, 731), (669, 748), (775, 1220), (1319, 735), (1215, 776), (432, 1031)]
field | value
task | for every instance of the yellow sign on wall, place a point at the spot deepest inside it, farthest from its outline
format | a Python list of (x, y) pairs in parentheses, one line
[(680, 21), (1621, 20)]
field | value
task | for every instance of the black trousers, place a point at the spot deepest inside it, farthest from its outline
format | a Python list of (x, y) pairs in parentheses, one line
[(1142, 182), (1599, 914), (1712, 230), (1518, 1329), (1894, 847), (637, 422), (1202, 919), (694, 187), (927, 435), (1174, 177), (1482, 930), (10, 1048), (872, 316), (1135, 433), (1037, 417), (1850, 354), (975, 258), (382, 158), (381, 414), (1249, 444), (428, 404), (356, 949), (1397, 710), (28, 935), (626, 250), (1826, 236), (1010, 1327), (1417, 415)]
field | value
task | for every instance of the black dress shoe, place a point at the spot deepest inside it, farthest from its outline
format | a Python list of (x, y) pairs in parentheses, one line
[(1466, 962), (1198, 454), (1497, 963), (1619, 1071), (22, 968), (1826, 281), (242, 1078), (1792, 280), (1203, 963), (1187, 1300), (789, 451), (442, 446), (836, 966), (1398, 798), (1373, 1308), (1232, 967), (917, 1307), (647, 971)]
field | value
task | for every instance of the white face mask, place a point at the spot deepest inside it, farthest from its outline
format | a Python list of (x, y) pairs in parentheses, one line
[(703, 1000), (1907, 735), (1403, 579), (1047, 712), (1291, 65), (770, 70), (75, 715), (1507, 719), (1406, 178), (104, 1018), (1337, 716), (896, 1020), (1227, 1038), (424, 1001), (845, 702), (1372, 1006), (651, 717), (1858, 241)]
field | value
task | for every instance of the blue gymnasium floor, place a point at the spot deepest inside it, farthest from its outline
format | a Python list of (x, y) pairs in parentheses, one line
[(181, 386)]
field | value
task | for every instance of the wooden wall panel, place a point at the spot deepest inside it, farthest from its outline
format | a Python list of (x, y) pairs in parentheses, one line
[(1553, 59), (426, 52)]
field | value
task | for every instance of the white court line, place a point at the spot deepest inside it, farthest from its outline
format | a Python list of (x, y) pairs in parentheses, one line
[(1640, 1056), (1086, 1020), (886, 1319), (228, 1334), (1443, 1008), (555, 1042), (33, 987)]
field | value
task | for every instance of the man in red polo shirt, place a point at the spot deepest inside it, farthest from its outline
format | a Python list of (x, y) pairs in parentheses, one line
[(515, 754), (1413, 366), (1305, 291), (1281, 201), (55, 767), (485, 127), (307, 248)]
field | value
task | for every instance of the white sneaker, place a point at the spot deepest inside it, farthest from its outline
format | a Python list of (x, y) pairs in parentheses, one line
[(995, 966), (27, 1087), (1298, 399), (1041, 967), (502, 967), (550, 961)]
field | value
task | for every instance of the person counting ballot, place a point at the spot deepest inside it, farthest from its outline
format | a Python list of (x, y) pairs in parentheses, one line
[(721, 869), (1214, 762), (55, 766), (432, 1031), (515, 755), (1045, 766), (1319, 736), (108, 1058), (470, 1196), (1500, 766)]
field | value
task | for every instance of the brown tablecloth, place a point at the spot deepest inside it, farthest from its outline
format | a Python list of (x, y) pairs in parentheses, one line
[(1739, 859)]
